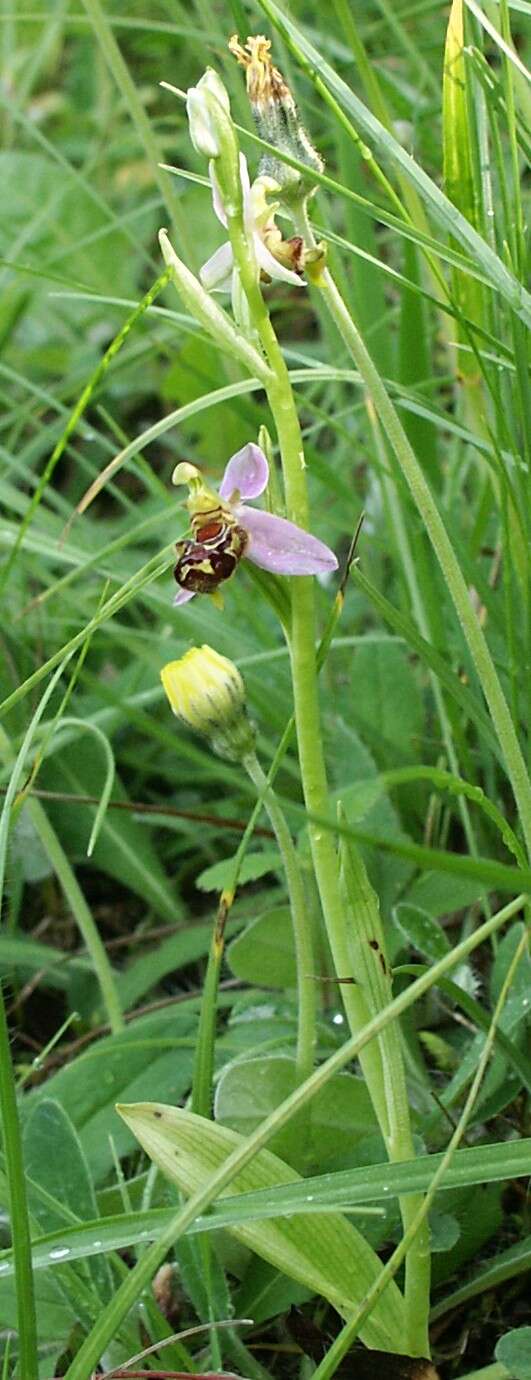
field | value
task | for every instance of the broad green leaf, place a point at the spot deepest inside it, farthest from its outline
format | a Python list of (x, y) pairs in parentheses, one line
[(54, 1159), (265, 1294), (337, 1118), (479, 1216), (254, 865), (173, 953), (27, 850), (458, 135), (441, 894), (264, 954), (328, 1255), (389, 714), (514, 1351), (26, 956), (155, 1051), (444, 1231)]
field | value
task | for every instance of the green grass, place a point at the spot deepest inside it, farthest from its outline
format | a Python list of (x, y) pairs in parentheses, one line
[(412, 387)]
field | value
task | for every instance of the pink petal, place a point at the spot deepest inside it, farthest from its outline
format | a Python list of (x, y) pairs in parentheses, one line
[(247, 471), (272, 267), (280, 546), (184, 596), (216, 274)]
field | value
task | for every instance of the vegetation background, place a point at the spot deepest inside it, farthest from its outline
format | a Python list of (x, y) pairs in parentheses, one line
[(85, 128)]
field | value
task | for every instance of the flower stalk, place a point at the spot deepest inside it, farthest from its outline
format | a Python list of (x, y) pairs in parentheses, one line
[(206, 691), (392, 1111)]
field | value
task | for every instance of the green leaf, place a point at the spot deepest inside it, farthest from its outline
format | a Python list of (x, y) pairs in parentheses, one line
[(514, 1351), (264, 1293), (154, 1052), (339, 1115), (26, 956), (124, 848), (264, 954), (328, 1254), (458, 137), (439, 893), (55, 1160), (444, 1231), (254, 865), (389, 712), (421, 931), (504, 1265), (172, 953)]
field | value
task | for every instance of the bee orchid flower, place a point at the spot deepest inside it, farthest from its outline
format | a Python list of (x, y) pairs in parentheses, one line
[(225, 530)]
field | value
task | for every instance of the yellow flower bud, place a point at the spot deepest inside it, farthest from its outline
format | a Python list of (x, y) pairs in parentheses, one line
[(207, 692)]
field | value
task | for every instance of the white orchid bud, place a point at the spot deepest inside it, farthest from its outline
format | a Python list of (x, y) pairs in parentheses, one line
[(208, 109)]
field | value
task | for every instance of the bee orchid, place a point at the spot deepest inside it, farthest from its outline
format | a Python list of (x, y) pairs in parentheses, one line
[(225, 530)]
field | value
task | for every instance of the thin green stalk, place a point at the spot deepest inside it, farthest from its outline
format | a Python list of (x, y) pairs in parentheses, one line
[(301, 923), (18, 1209), (201, 1100), (425, 503), (419, 610), (130, 1290), (397, 1134)]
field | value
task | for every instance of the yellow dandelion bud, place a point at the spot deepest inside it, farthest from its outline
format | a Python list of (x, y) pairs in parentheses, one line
[(207, 692)]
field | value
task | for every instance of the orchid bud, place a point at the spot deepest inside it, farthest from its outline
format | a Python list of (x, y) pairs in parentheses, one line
[(212, 133), (208, 109), (207, 692), (277, 120)]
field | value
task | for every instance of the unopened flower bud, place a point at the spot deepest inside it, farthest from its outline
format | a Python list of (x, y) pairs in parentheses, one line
[(212, 133), (208, 109), (207, 692), (277, 120)]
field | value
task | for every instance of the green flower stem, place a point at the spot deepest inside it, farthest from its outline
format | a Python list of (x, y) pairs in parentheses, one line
[(395, 1128), (202, 1080), (301, 923), (425, 503)]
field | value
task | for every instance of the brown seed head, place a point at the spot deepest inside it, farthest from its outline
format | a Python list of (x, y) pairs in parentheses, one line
[(264, 81)]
